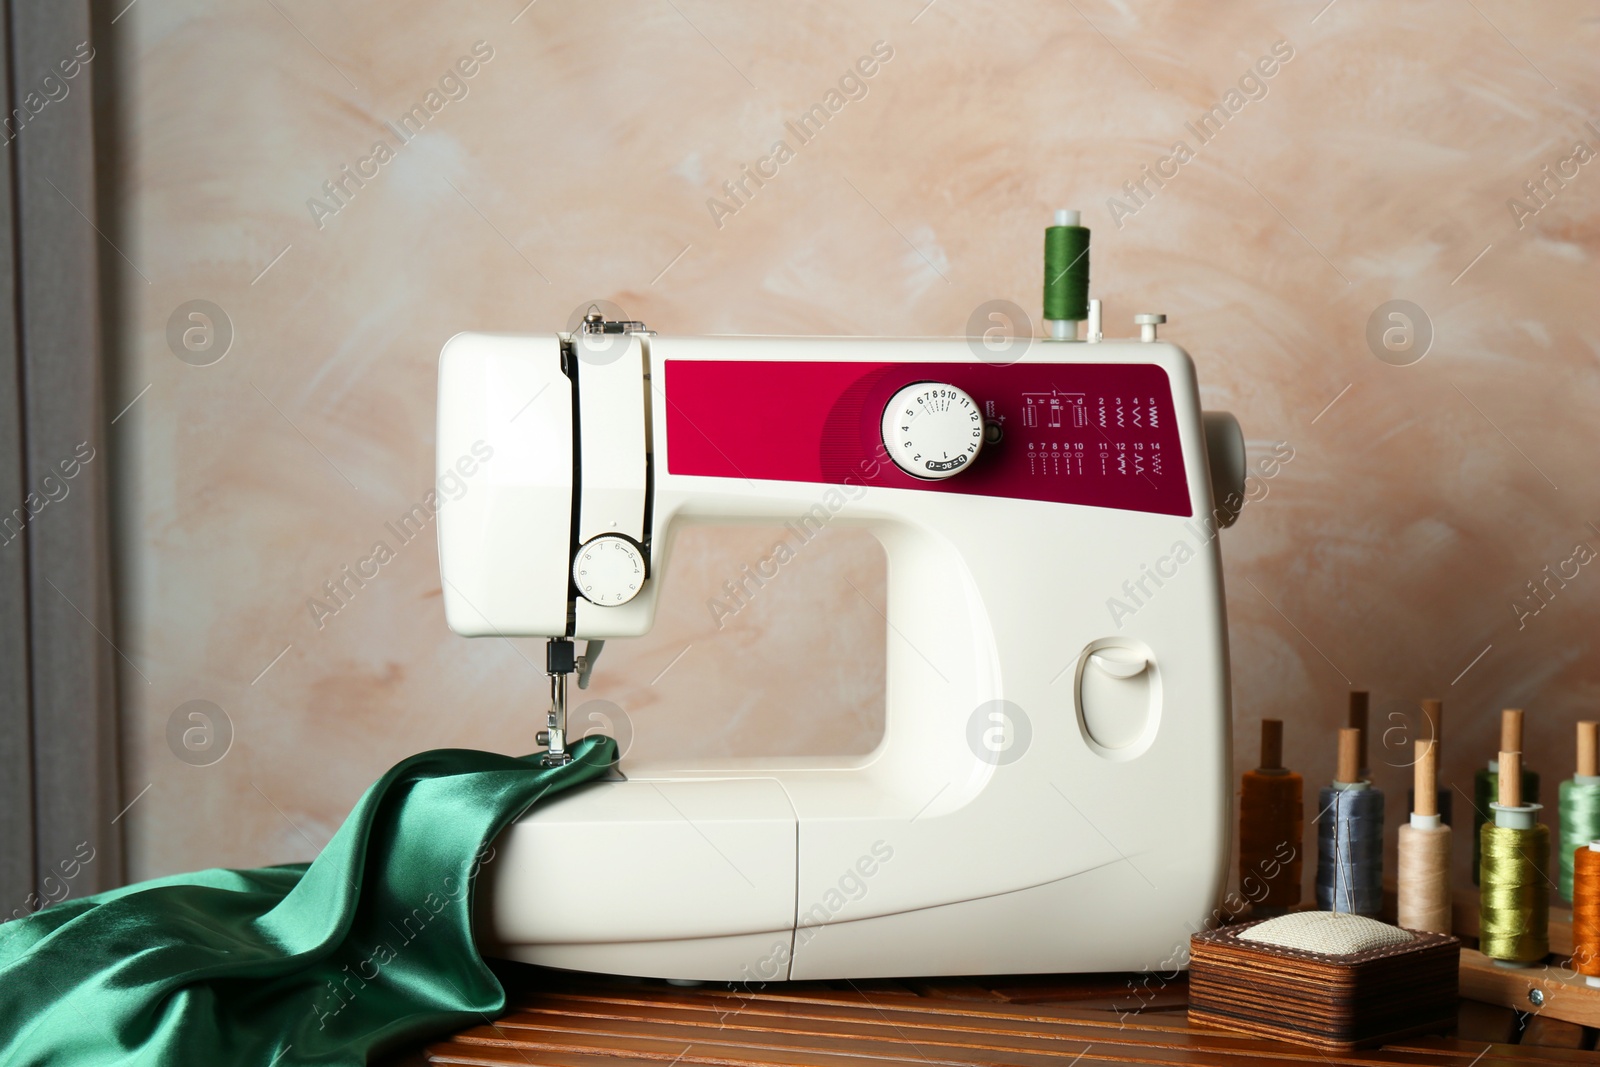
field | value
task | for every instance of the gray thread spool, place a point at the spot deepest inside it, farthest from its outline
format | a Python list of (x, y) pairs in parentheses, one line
[(1350, 850), (1350, 836)]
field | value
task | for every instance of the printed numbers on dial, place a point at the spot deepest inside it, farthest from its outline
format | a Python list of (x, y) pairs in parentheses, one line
[(932, 430), (608, 570)]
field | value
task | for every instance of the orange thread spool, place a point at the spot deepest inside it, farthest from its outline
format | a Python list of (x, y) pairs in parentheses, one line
[(1586, 912), (1271, 827)]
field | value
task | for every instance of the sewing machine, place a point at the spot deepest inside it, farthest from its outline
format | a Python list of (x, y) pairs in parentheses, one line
[(1052, 790)]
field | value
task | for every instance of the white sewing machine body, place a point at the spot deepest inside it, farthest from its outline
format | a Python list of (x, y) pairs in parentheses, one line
[(1093, 837)]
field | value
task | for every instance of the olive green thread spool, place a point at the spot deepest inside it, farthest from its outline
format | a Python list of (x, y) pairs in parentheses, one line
[(1514, 902), (1066, 275), (1580, 804), (1486, 784)]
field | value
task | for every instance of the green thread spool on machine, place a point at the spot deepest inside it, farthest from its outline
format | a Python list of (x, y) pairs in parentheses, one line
[(1067, 303), (1066, 279)]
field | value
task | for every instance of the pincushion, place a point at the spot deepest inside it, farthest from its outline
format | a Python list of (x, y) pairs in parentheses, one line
[(1329, 979)]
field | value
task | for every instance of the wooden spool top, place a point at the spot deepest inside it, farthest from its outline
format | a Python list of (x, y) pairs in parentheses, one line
[(1510, 779), (1349, 768), (1271, 744), (1434, 710), (1588, 748), (1427, 778), (1511, 730)]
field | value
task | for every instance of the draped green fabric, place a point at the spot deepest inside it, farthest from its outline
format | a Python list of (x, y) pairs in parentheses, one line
[(367, 947)]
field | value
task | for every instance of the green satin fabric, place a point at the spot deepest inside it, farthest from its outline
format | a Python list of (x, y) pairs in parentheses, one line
[(368, 947)]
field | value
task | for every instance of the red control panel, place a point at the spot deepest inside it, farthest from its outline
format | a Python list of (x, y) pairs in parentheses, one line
[(1098, 434)]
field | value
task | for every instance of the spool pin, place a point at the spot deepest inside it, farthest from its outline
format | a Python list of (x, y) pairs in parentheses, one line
[(1426, 779), (1272, 745), (1510, 777), (1511, 732), (1360, 701), (1349, 765), (1433, 712)]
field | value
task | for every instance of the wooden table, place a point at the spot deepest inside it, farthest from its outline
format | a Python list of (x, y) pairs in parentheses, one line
[(1039, 1021)]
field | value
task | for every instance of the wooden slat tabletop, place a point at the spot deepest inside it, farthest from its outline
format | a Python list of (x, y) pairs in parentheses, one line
[(576, 1020)]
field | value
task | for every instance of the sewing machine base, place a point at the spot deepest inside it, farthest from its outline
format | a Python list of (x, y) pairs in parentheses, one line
[(650, 889)]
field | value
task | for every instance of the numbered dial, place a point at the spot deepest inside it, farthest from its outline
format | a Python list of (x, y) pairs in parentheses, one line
[(932, 430), (609, 570)]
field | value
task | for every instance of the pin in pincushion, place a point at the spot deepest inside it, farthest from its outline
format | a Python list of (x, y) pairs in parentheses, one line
[(1329, 979)]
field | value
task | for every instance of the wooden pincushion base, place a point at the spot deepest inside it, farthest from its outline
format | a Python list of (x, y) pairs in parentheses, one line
[(1331, 1002)]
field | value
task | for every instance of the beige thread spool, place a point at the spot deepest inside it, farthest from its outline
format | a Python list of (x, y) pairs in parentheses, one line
[(1424, 870)]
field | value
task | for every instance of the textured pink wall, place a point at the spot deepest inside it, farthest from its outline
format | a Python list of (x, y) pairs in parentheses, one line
[(1374, 164)]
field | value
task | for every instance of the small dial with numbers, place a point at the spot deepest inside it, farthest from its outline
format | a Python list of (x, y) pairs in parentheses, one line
[(932, 430), (608, 570)]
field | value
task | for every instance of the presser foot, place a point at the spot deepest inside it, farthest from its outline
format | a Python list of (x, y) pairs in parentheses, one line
[(556, 754), (560, 662)]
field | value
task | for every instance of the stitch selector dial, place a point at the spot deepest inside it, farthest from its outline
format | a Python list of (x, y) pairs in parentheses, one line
[(608, 570), (932, 430)]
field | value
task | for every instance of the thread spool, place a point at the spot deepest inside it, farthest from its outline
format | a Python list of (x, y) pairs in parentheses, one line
[(1433, 716), (1579, 804), (1486, 785), (1514, 902), (1424, 868), (1066, 269), (1586, 912), (1350, 836), (1271, 825)]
